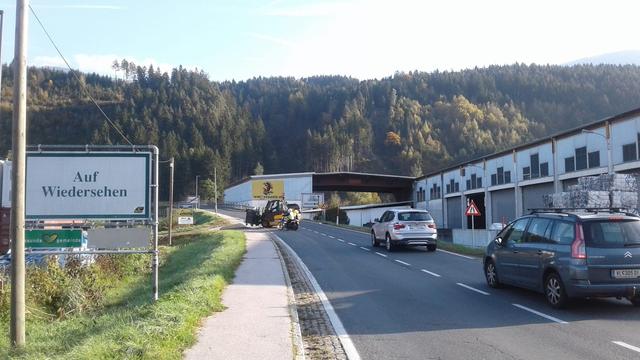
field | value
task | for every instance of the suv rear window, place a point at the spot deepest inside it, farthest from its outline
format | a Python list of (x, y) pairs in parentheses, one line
[(414, 216), (612, 234)]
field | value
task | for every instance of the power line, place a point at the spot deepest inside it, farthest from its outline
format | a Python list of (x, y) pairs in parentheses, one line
[(78, 79)]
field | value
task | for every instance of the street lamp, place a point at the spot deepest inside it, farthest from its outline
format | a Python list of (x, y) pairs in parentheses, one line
[(608, 140)]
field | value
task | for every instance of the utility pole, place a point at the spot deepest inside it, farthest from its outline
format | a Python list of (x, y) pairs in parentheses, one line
[(1, 23), (215, 188), (171, 167), (19, 139), (197, 198)]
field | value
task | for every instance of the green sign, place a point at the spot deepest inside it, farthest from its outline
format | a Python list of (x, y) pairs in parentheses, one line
[(53, 238)]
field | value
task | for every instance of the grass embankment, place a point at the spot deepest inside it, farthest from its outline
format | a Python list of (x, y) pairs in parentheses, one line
[(128, 325), (444, 245)]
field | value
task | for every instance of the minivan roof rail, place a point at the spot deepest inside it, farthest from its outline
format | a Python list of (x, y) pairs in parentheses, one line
[(584, 209)]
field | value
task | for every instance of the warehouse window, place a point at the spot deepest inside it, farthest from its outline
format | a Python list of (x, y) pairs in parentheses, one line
[(507, 177), (469, 185), (629, 152), (448, 188), (594, 159), (581, 158), (544, 169), (500, 174), (479, 182), (535, 166), (526, 173), (457, 187), (569, 164), (494, 179)]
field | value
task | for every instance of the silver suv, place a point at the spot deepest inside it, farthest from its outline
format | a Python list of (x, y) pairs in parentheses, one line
[(409, 227), (569, 254)]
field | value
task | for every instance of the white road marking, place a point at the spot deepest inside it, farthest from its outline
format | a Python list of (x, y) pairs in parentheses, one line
[(402, 262), (323, 234), (473, 289), (549, 317), (343, 336), (630, 347), (352, 244), (315, 232), (429, 272), (456, 254), (333, 237), (364, 248), (383, 255), (340, 240)]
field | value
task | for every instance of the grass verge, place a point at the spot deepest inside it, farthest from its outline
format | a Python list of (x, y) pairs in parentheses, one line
[(131, 326)]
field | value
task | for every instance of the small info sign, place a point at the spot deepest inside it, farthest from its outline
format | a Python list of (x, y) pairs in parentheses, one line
[(185, 220), (53, 238)]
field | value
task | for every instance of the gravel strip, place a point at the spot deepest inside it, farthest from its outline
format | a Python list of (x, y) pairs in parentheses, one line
[(318, 337)]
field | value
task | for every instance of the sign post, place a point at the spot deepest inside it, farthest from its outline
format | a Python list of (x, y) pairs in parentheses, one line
[(472, 210)]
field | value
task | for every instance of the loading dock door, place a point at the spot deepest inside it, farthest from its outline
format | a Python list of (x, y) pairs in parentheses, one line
[(532, 196), (503, 206), (454, 213)]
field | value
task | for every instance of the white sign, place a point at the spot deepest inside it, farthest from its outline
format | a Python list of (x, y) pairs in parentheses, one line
[(6, 184), (117, 238), (312, 200), (185, 220), (78, 185)]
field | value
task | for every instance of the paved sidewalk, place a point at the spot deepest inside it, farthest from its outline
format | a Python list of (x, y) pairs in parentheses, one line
[(256, 323)]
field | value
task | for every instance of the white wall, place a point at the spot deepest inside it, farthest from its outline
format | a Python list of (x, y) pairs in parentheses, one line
[(505, 162), (437, 180), (567, 147), (358, 217), (476, 169), (455, 175), (622, 133), (478, 239), (523, 157), (294, 186), (435, 209)]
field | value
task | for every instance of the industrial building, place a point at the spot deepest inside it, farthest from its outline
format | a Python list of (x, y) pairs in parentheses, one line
[(503, 185), (506, 184)]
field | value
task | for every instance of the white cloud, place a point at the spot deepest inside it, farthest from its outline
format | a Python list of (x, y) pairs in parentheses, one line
[(272, 39), (309, 10), (48, 61)]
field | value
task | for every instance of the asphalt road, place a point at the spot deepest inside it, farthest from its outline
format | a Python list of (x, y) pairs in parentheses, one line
[(412, 304)]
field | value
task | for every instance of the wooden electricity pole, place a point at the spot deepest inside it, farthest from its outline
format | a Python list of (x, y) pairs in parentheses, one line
[(19, 138), (171, 167)]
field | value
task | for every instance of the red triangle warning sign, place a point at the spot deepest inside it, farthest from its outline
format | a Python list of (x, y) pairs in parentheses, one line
[(472, 209)]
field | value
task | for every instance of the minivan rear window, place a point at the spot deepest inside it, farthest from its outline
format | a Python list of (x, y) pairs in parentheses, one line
[(612, 234), (414, 216)]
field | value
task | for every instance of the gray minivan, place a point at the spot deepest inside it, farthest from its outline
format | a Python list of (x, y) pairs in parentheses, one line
[(569, 254)]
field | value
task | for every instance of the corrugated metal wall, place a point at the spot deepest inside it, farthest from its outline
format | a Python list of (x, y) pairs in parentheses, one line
[(454, 213), (503, 205)]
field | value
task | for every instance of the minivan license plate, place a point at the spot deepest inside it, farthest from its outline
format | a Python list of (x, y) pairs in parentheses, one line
[(626, 273)]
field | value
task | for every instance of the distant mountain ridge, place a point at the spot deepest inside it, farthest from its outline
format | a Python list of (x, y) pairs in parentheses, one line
[(627, 57)]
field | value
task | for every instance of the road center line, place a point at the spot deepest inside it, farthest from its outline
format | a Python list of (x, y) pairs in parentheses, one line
[(401, 262), (549, 317), (323, 234), (352, 244), (383, 255), (364, 248), (625, 345), (429, 272), (340, 240), (333, 237), (456, 254), (473, 289)]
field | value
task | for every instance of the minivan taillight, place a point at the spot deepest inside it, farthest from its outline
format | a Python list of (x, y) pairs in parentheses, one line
[(578, 250), (398, 226), (432, 226)]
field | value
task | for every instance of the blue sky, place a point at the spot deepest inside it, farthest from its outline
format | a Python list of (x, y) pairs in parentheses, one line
[(360, 38)]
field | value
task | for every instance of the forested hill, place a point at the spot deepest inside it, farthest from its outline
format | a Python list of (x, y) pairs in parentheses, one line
[(407, 124)]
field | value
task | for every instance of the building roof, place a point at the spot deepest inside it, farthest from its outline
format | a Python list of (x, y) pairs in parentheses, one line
[(558, 135)]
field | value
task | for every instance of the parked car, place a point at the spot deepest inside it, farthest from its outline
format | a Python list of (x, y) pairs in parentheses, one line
[(405, 227), (569, 254)]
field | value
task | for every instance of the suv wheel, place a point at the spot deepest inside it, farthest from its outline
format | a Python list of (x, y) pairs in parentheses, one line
[(554, 291), (374, 241), (431, 247), (491, 274), (388, 243)]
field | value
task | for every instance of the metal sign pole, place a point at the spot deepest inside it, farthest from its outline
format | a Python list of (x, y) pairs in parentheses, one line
[(154, 262), (473, 230)]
